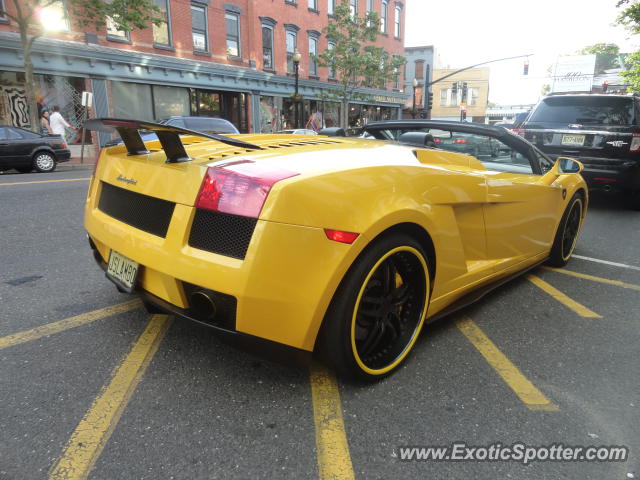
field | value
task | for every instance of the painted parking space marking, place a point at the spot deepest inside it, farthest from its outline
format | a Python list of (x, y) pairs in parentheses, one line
[(334, 459), (533, 398), (67, 323), (46, 181), (606, 262), (593, 278), (95, 428), (562, 298)]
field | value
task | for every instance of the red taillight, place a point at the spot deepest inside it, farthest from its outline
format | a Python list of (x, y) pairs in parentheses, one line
[(635, 143), (518, 131), (460, 140), (239, 188), (341, 236), (437, 140)]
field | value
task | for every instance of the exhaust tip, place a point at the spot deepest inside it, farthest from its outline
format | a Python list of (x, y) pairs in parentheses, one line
[(204, 305)]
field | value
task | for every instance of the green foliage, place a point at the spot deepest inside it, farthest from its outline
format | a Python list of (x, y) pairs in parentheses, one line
[(353, 59), (630, 18), (632, 74), (600, 49), (127, 15)]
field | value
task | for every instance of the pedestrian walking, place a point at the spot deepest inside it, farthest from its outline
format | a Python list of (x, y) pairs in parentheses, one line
[(58, 123), (45, 128)]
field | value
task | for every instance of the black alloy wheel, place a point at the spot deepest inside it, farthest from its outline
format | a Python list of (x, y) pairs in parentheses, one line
[(566, 237), (378, 310)]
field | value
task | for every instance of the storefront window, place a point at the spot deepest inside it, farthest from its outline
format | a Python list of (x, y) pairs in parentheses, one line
[(170, 101), (132, 100), (360, 115), (270, 114)]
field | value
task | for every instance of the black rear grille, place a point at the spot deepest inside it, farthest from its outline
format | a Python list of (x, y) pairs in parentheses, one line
[(222, 233), (149, 214)]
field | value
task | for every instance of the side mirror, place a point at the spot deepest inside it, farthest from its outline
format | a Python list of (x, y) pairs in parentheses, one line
[(563, 166), (569, 165)]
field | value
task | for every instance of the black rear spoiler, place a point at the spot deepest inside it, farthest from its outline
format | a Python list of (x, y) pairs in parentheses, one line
[(168, 135)]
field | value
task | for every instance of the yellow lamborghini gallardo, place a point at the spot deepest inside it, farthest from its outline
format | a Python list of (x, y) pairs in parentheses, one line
[(339, 246)]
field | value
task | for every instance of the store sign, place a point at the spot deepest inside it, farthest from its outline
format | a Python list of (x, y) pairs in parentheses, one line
[(574, 73), (386, 99)]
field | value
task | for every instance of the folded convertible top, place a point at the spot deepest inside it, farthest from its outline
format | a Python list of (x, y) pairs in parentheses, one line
[(168, 135)]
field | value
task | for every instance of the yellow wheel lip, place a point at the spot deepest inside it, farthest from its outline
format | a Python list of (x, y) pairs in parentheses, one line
[(418, 329), (575, 240)]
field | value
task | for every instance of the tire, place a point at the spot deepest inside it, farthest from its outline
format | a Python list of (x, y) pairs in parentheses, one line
[(24, 169), (44, 162), (566, 237), (378, 310)]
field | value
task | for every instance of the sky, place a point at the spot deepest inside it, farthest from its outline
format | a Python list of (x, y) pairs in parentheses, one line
[(466, 32)]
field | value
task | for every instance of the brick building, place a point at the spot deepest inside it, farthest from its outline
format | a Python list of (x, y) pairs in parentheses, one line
[(211, 57)]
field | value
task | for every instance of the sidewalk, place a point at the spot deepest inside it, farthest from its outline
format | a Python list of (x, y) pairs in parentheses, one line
[(74, 164)]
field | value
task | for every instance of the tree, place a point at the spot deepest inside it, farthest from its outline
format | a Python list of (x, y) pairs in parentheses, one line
[(353, 58), (126, 15), (606, 56), (630, 18), (600, 49)]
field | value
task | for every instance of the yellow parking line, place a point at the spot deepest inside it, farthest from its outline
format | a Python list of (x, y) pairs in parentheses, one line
[(617, 283), (334, 459), (562, 298), (46, 181), (533, 398), (93, 431), (66, 324)]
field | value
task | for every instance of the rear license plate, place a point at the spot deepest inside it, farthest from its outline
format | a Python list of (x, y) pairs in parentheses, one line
[(122, 271), (573, 140)]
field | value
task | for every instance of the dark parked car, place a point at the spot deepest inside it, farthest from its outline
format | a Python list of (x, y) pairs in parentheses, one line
[(497, 148), (25, 150), (198, 124), (602, 131)]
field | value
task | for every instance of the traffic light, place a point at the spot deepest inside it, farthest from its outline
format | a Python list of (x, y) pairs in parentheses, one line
[(464, 92), (429, 100), (463, 115), (526, 67), (605, 86), (454, 88)]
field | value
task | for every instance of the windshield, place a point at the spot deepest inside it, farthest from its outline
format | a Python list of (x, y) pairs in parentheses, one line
[(585, 110)]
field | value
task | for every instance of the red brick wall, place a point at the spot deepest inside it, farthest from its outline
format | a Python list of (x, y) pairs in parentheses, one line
[(250, 32)]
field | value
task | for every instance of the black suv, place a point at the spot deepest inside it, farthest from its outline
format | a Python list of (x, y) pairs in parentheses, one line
[(601, 131)]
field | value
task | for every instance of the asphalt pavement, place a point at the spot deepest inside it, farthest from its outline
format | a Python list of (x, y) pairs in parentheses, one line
[(522, 365)]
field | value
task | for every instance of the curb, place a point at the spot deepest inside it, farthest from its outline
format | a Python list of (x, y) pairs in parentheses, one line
[(76, 166)]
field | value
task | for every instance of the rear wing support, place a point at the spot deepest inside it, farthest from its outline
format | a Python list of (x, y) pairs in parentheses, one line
[(168, 135)]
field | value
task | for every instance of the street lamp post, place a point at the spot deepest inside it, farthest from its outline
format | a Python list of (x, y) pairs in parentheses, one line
[(296, 67), (415, 85)]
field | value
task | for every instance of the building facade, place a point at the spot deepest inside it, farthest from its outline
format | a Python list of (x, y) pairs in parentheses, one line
[(209, 58), (419, 66), (447, 98)]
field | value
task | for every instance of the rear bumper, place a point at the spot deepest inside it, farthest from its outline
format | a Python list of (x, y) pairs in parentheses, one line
[(275, 351), (282, 288), (609, 175), (63, 155)]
